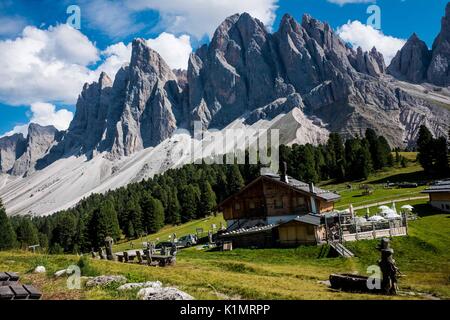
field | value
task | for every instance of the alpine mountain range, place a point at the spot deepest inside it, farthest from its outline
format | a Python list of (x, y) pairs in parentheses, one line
[(302, 79)]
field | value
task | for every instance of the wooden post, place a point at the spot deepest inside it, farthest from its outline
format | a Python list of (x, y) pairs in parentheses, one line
[(139, 256), (374, 233), (148, 256)]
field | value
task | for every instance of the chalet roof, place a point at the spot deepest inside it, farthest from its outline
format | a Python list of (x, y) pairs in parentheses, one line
[(250, 230), (438, 187), (304, 187), (312, 219), (292, 183)]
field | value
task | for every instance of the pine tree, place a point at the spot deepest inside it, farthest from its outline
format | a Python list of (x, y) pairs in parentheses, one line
[(207, 199), (235, 180), (153, 212), (424, 147), (103, 224), (440, 153), (189, 200), (173, 209), (7, 234), (134, 217), (27, 233), (336, 150)]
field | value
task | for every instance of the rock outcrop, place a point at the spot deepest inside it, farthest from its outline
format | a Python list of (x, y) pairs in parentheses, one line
[(19, 155), (412, 61), (416, 63), (439, 70), (137, 111), (11, 148)]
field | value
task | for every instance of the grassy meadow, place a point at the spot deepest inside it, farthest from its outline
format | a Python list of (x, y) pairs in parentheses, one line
[(423, 258)]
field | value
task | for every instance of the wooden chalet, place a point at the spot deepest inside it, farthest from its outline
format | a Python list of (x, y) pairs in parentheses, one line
[(439, 194), (277, 210)]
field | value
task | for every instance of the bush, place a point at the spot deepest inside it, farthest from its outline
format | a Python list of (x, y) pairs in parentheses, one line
[(86, 268)]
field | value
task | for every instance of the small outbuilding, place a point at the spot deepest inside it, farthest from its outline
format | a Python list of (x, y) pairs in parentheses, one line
[(439, 193)]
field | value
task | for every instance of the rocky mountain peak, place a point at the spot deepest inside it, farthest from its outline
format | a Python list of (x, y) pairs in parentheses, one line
[(412, 61), (104, 81), (19, 155), (439, 70)]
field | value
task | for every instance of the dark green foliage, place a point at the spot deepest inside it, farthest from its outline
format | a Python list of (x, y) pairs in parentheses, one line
[(153, 213), (189, 196), (7, 234), (103, 223), (27, 234), (433, 153), (207, 199), (424, 143), (234, 179)]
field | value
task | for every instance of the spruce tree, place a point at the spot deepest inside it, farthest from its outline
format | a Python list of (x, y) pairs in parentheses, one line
[(173, 209), (189, 200), (424, 147), (440, 153), (27, 233), (7, 234), (207, 199), (153, 212), (234, 179)]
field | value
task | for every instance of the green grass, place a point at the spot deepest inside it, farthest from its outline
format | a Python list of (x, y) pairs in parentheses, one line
[(423, 257), (354, 195), (180, 230)]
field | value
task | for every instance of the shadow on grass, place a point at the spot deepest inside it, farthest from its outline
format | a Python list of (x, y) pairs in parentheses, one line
[(425, 210), (418, 177)]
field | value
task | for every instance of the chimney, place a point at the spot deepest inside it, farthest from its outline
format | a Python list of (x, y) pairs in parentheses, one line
[(311, 188), (284, 176)]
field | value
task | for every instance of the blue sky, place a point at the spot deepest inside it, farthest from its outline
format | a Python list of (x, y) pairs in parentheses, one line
[(108, 27)]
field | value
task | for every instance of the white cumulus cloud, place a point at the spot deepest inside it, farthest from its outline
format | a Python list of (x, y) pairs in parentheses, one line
[(53, 65), (45, 65), (366, 37), (194, 17), (45, 114), (175, 51)]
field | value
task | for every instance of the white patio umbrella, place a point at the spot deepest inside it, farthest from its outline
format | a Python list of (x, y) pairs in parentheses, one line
[(407, 207), (375, 218), (360, 220), (392, 216), (383, 208)]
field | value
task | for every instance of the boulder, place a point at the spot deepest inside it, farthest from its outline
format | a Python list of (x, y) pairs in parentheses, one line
[(167, 293), (148, 284), (40, 269), (102, 281)]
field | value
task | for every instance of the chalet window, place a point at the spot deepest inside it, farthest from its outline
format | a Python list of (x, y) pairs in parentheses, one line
[(300, 201), (251, 204), (278, 203), (237, 206)]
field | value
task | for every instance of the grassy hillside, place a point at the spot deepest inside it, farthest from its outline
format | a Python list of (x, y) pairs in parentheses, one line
[(354, 195), (423, 257)]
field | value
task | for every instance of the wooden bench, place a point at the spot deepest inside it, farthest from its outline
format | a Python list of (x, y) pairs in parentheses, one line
[(11, 289), (9, 276), (19, 292)]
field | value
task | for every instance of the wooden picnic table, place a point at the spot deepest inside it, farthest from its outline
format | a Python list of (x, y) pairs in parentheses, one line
[(130, 255)]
